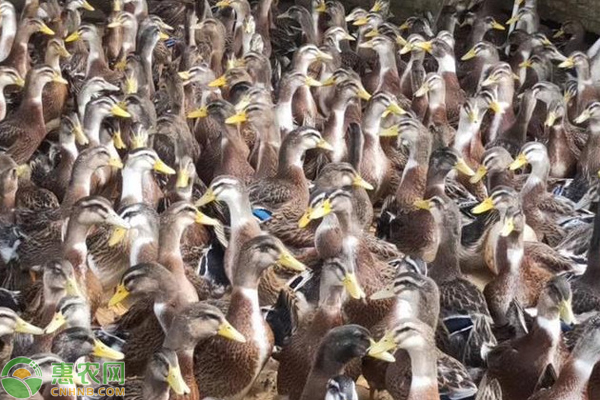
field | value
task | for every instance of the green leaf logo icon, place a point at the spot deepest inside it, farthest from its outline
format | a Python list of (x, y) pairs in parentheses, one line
[(24, 381)]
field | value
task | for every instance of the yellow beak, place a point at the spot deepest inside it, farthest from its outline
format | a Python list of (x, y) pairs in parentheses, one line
[(484, 206), (352, 286), (185, 75), (393, 108), (223, 3), (176, 382), (117, 236), (551, 119), (323, 209), (229, 332), (358, 181), (72, 288), (163, 36), (160, 166), (183, 179), (508, 227), (207, 197), (311, 82), (287, 260), (305, 220), (117, 111), (376, 352), (118, 140), (115, 162), (204, 219), (559, 33), (323, 144), (566, 312), (423, 90), (568, 63), (392, 131), (498, 26), (372, 33), (470, 54), (80, 136), (88, 6), (426, 46), (121, 294), (202, 112), (518, 163), (360, 21), (585, 115), (423, 204), (219, 82), (26, 327), (73, 37), (363, 94), (102, 350), (237, 118), (479, 174), (322, 7), (385, 344), (57, 321), (45, 30), (462, 167), (513, 20), (59, 79)]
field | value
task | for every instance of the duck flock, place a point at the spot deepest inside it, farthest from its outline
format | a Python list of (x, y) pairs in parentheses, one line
[(248, 199)]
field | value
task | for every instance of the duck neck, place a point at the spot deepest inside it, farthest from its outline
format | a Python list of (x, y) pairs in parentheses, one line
[(92, 122), (146, 57), (8, 33), (423, 385), (153, 389), (414, 177), (132, 191), (74, 246), (547, 330), (79, 186), (96, 60), (436, 182), (169, 244), (446, 65), (445, 266), (387, 62), (536, 181), (524, 117), (291, 161), (52, 59), (240, 210), (33, 96), (334, 129)]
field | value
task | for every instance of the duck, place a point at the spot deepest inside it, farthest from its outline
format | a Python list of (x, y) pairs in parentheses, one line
[(28, 120), (571, 382), (455, 303), (8, 77), (518, 364), (416, 296), (295, 358), (336, 349), (372, 273), (9, 29), (242, 360), (538, 204), (18, 57), (418, 340), (10, 324)]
